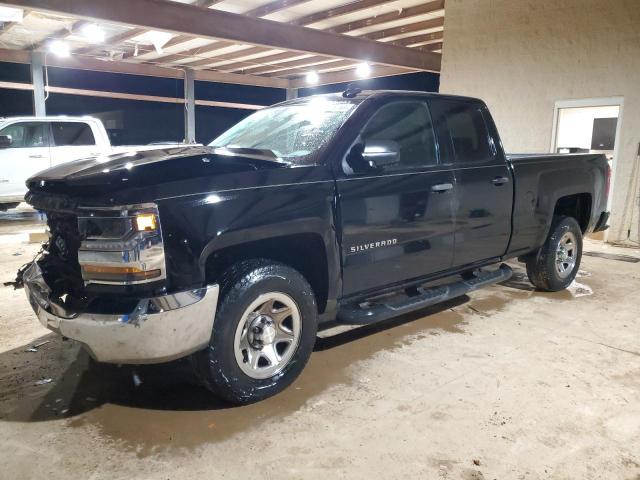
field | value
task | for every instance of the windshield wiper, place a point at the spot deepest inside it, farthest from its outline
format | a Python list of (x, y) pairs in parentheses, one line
[(257, 153)]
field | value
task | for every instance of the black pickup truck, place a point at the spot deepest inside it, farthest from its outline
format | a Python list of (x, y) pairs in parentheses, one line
[(349, 208)]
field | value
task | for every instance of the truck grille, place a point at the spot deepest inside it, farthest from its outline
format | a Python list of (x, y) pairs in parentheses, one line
[(60, 266)]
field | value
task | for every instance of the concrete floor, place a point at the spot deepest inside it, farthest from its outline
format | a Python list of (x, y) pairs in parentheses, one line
[(505, 384)]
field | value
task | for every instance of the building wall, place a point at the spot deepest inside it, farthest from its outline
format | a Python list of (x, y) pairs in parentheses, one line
[(521, 56)]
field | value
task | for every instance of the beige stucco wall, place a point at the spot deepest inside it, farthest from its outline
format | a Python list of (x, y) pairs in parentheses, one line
[(521, 56)]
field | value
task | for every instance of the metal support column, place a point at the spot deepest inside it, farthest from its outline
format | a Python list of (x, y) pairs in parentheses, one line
[(37, 80), (189, 106), (292, 93)]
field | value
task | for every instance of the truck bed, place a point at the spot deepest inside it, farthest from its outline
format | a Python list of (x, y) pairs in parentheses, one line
[(541, 179)]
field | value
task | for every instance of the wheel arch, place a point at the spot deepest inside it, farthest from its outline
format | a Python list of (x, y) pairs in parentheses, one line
[(305, 252), (578, 206)]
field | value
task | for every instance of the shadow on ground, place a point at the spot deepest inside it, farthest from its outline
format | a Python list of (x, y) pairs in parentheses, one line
[(158, 406)]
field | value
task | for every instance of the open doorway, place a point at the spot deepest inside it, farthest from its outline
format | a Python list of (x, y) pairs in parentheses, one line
[(589, 126)]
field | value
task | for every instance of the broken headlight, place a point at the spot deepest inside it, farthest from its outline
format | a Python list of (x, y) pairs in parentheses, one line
[(121, 246)]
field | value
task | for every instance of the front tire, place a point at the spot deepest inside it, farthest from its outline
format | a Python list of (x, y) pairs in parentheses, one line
[(263, 333), (556, 264)]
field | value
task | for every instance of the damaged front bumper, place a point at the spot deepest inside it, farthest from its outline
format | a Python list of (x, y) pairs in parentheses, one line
[(159, 329)]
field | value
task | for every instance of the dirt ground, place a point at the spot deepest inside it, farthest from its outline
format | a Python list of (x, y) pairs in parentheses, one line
[(507, 383)]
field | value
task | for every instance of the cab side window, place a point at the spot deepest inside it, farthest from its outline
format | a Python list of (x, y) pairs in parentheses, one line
[(404, 126), (72, 134), (27, 134), (468, 134)]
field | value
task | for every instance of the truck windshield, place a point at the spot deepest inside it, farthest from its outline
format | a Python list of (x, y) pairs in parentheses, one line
[(293, 132)]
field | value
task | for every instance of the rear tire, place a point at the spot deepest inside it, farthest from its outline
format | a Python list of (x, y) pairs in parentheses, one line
[(557, 262), (263, 333)]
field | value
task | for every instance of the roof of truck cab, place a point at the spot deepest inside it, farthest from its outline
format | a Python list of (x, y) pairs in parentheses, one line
[(380, 93), (365, 94)]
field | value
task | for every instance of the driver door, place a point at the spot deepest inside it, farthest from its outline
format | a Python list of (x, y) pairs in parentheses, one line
[(396, 218)]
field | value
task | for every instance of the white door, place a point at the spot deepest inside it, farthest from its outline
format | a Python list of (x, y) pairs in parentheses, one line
[(71, 141), (27, 155)]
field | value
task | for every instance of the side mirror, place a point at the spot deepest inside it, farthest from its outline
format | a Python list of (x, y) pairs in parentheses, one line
[(5, 141), (381, 153)]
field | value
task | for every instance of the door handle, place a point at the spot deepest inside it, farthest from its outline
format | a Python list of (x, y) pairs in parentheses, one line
[(36, 156), (442, 187), (500, 181)]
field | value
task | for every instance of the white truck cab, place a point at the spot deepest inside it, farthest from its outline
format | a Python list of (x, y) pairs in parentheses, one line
[(31, 144)]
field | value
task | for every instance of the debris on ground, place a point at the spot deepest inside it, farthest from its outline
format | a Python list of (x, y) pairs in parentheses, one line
[(476, 461), (44, 381), (579, 289), (35, 347), (136, 379)]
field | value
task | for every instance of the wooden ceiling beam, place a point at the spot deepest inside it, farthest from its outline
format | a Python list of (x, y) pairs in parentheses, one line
[(178, 39), (318, 68), (313, 18), (281, 68), (261, 11), (256, 12), (79, 63), (207, 23), (8, 26), (205, 62), (133, 32), (413, 27), (258, 65), (272, 7), (432, 47), (112, 41), (60, 34), (302, 62), (350, 76), (420, 39), (393, 16), (338, 11)]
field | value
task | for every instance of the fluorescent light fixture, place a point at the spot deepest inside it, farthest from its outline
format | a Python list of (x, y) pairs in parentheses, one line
[(93, 33), (59, 48), (363, 70), (312, 77)]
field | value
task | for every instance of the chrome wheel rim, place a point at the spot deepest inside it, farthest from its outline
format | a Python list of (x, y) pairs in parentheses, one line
[(566, 254), (267, 335)]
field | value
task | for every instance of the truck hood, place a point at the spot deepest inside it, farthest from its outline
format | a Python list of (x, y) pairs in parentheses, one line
[(111, 173)]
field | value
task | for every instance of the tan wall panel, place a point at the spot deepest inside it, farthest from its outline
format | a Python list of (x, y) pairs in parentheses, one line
[(522, 56)]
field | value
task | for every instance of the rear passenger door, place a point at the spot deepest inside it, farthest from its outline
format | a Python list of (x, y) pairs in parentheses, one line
[(484, 190), (396, 219), (71, 141)]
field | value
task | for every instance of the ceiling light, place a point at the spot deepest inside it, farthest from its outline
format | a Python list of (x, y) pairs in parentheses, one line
[(93, 33), (312, 77), (363, 70), (59, 48)]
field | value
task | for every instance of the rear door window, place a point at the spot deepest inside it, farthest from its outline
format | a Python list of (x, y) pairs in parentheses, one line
[(27, 134), (72, 134), (462, 126)]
